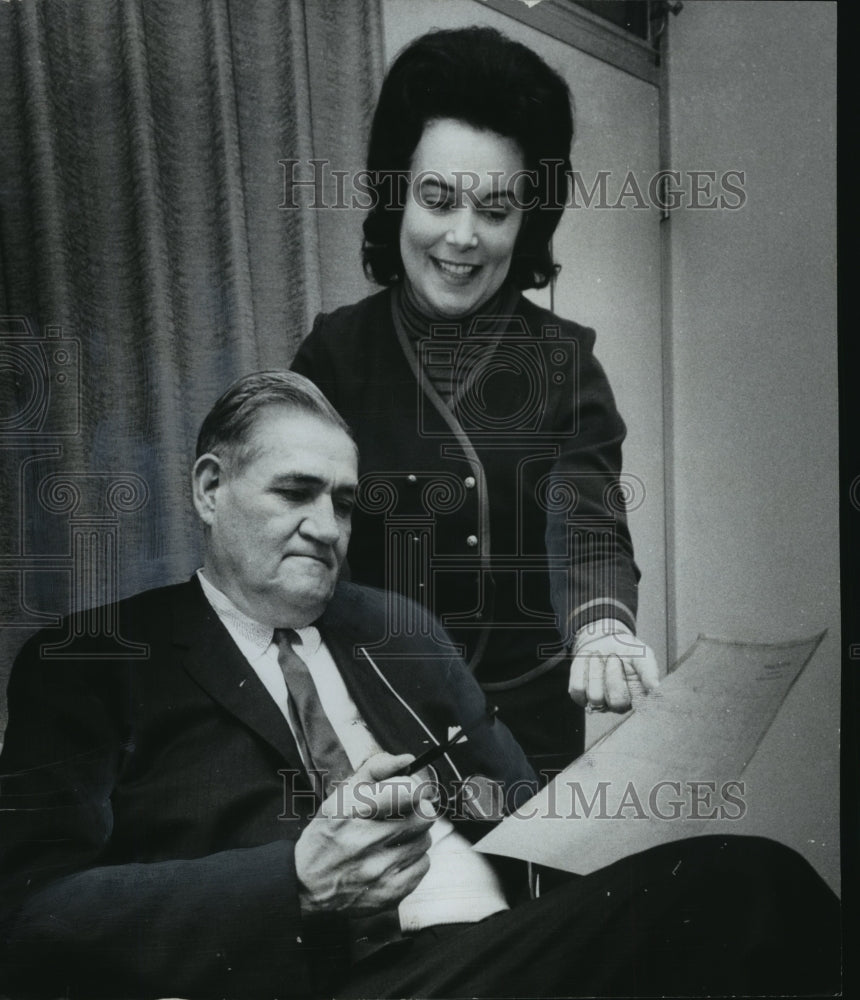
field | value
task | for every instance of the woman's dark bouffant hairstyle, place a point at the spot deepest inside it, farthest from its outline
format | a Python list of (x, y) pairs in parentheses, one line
[(482, 78)]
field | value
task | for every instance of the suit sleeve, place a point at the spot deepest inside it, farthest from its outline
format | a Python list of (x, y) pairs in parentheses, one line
[(586, 504), (313, 362), (76, 921)]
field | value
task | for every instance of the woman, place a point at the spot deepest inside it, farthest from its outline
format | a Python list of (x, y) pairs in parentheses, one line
[(489, 439)]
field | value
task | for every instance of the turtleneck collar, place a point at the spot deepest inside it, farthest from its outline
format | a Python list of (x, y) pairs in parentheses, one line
[(417, 322), (414, 325)]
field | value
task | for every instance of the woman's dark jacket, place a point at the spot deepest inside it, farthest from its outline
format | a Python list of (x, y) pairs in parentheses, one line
[(507, 516)]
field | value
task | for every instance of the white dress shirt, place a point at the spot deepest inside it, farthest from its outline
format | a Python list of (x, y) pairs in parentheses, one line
[(461, 885)]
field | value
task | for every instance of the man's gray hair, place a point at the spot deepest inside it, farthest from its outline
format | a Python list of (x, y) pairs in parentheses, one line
[(228, 426)]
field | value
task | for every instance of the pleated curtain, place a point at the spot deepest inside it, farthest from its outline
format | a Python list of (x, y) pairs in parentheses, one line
[(149, 254)]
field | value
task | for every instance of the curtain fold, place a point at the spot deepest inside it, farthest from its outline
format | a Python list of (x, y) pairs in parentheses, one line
[(149, 255)]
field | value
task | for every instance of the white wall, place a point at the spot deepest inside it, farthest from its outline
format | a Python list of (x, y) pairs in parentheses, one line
[(753, 448)]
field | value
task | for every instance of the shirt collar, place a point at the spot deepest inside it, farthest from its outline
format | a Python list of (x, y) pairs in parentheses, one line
[(311, 639), (259, 636), (252, 631)]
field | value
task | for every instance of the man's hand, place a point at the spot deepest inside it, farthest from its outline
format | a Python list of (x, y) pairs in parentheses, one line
[(367, 846), (610, 665)]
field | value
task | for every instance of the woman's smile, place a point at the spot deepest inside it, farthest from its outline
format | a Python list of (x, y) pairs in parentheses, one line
[(453, 270)]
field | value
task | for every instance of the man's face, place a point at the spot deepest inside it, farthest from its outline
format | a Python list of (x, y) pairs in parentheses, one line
[(280, 524)]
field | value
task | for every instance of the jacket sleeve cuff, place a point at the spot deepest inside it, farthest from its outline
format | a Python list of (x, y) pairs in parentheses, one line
[(602, 609)]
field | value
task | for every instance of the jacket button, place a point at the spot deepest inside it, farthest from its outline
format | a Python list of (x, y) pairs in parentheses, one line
[(412, 478), (470, 482), (472, 541)]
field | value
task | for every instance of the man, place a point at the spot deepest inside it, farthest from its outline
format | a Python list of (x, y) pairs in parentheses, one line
[(230, 818)]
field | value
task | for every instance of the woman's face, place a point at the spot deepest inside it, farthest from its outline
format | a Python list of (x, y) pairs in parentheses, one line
[(461, 218)]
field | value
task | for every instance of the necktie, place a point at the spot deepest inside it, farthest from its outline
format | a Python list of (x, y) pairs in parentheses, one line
[(324, 752), (315, 734)]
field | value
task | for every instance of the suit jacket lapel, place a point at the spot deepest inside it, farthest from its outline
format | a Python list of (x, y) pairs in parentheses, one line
[(363, 686), (215, 662), (387, 710)]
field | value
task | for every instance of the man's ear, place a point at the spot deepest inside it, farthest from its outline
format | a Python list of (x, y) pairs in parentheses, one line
[(206, 477)]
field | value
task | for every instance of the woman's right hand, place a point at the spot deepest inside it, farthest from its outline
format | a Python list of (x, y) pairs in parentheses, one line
[(610, 667)]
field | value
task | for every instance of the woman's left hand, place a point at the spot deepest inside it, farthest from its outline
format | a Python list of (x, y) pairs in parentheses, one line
[(610, 666)]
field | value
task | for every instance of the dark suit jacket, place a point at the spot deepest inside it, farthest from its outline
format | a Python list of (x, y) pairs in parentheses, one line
[(150, 805)]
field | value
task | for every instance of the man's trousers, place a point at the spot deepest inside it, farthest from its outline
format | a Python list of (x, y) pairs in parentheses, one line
[(707, 916)]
